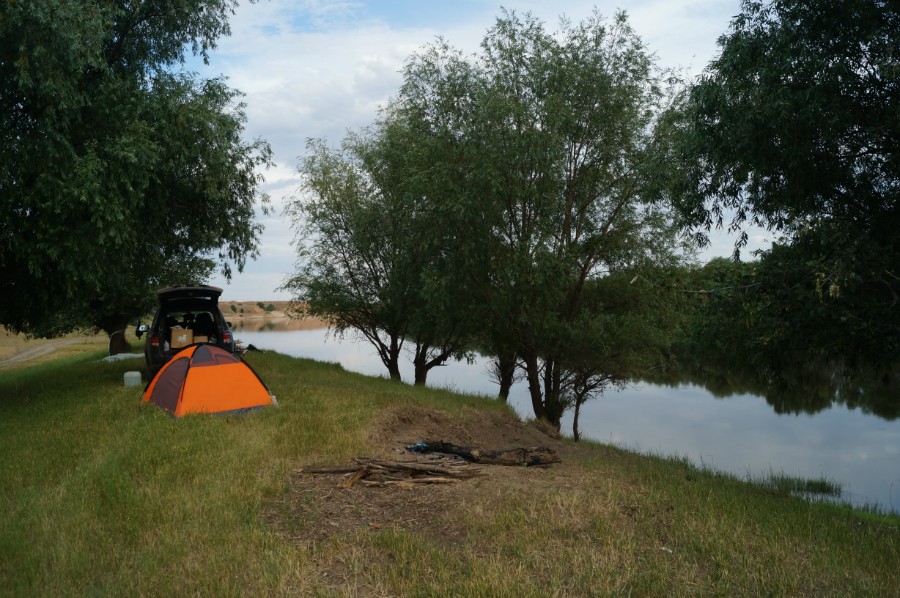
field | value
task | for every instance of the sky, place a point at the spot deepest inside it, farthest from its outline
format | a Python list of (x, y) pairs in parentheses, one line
[(316, 69)]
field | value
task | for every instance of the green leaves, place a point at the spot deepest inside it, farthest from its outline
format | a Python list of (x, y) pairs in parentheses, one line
[(794, 119), (519, 172), (116, 175), (794, 127)]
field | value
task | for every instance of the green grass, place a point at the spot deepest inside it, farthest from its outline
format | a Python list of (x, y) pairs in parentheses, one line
[(102, 496), (818, 487)]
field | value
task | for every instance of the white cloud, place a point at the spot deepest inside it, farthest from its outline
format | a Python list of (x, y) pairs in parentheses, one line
[(318, 68)]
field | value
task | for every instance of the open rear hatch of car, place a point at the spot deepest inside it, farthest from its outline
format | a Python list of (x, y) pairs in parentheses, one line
[(200, 293)]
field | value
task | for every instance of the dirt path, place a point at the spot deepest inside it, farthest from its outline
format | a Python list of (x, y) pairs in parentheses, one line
[(36, 352)]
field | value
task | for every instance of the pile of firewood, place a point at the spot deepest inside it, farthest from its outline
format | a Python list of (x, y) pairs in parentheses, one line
[(438, 470), (377, 472)]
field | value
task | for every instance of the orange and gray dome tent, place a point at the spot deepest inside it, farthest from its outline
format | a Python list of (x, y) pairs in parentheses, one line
[(206, 379)]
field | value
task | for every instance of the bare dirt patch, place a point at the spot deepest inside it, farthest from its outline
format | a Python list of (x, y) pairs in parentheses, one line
[(316, 507)]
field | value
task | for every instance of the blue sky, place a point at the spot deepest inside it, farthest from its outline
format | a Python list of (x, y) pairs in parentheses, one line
[(319, 68)]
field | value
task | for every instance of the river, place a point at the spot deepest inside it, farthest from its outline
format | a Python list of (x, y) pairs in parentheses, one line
[(736, 433)]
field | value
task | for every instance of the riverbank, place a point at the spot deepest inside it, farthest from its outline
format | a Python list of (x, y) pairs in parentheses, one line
[(254, 309), (103, 496), (259, 316)]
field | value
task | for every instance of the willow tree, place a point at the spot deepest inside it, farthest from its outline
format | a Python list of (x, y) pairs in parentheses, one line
[(547, 136), (117, 173), (375, 254), (349, 241)]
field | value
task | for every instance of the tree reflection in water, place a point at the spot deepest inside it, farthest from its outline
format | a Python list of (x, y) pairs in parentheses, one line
[(798, 387), (274, 324)]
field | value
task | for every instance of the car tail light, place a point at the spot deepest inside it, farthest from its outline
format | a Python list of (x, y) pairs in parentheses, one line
[(154, 341), (227, 337)]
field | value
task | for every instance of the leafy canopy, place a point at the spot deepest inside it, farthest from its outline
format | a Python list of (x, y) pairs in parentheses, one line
[(118, 173), (546, 141), (494, 192), (796, 121), (375, 255), (795, 127)]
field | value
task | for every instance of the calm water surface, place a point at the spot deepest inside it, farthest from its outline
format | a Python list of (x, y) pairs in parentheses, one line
[(740, 434)]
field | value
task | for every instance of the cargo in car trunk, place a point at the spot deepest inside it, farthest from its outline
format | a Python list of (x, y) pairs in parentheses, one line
[(181, 337)]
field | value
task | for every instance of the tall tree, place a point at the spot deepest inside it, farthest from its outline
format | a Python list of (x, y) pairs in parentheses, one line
[(795, 127), (349, 245), (374, 253), (551, 134), (117, 174), (402, 162)]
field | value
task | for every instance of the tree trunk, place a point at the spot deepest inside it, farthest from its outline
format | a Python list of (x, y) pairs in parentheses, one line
[(393, 363), (576, 435), (394, 370), (534, 386), (506, 371), (420, 367), (423, 365), (553, 406), (114, 327), (553, 411)]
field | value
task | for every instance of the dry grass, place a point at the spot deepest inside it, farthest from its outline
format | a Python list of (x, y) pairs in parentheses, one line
[(17, 350)]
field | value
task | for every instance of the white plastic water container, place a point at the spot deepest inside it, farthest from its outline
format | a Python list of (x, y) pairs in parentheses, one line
[(132, 379)]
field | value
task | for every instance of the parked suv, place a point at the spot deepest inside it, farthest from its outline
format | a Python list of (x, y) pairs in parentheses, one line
[(186, 315)]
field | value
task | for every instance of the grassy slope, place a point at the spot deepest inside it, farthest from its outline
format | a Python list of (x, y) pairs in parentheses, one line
[(100, 495)]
